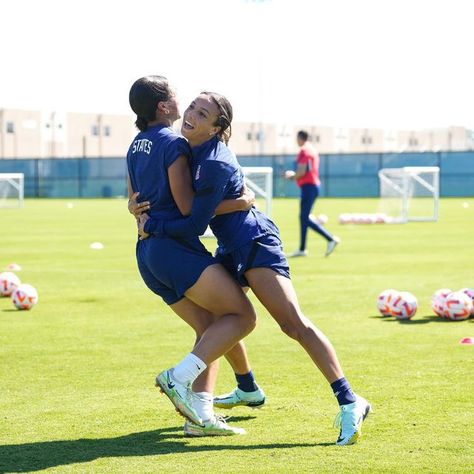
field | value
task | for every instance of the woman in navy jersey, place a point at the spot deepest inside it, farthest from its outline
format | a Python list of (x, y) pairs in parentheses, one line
[(250, 248), (180, 269)]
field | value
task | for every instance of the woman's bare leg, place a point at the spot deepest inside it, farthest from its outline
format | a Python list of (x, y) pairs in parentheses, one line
[(199, 319), (219, 294), (277, 294)]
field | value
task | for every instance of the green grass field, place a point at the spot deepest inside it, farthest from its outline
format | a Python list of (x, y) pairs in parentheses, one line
[(77, 372)]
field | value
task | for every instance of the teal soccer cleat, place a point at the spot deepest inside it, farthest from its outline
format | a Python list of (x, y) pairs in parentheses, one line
[(238, 397), (217, 426), (180, 395), (350, 419)]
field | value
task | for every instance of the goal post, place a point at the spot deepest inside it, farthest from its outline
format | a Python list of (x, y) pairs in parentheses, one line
[(11, 190), (260, 180), (410, 193)]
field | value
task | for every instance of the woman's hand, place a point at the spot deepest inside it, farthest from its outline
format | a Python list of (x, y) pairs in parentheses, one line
[(141, 220), (137, 208), (247, 198)]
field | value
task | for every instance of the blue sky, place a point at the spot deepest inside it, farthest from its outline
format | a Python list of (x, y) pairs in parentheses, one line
[(366, 63)]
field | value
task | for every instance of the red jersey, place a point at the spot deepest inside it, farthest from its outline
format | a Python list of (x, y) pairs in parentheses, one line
[(309, 157)]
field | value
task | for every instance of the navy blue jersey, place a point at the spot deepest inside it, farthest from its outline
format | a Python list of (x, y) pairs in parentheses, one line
[(148, 159), (217, 175)]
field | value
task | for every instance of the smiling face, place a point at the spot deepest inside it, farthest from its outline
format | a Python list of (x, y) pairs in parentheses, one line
[(199, 120)]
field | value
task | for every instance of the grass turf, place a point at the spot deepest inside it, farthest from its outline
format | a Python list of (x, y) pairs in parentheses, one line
[(77, 372)]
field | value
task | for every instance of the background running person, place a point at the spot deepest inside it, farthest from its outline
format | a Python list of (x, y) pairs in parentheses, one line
[(179, 270), (307, 178), (250, 248)]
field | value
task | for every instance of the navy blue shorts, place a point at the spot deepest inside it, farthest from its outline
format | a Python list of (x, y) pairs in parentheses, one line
[(264, 252), (169, 267)]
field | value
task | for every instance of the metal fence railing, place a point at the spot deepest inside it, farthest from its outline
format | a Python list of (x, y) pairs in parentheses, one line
[(342, 175)]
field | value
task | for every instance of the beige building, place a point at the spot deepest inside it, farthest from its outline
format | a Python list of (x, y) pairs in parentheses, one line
[(39, 134), (34, 134)]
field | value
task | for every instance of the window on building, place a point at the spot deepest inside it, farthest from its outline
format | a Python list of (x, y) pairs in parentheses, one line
[(60, 125), (316, 139), (412, 141), (95, 130), (249, 136), (107, 131), (10, 127)]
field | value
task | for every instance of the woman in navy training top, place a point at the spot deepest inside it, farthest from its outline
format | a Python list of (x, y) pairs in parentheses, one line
[(179, 269), (249, 246)]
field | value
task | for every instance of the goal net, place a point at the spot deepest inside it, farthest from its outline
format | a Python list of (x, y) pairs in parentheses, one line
[(410, 193), (260, 180), (11, 189)]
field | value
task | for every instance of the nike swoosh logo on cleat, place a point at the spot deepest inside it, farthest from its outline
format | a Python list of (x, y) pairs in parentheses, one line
[(170, 384)]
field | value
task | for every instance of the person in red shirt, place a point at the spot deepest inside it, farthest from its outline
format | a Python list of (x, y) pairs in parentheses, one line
[(307, 178)]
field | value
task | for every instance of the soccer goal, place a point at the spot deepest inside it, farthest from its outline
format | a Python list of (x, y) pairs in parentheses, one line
[(260, 180), (11, 189), (410, 193)]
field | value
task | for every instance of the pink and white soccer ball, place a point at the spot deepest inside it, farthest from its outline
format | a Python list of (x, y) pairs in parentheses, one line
[(322, 219), (469, 292), (438, 301), (8, 282), (405, 305), (345, 218), (385, 301), (457, 306), (24, 296)]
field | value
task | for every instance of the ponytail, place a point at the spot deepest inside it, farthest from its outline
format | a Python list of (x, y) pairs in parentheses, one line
[(141, 123)]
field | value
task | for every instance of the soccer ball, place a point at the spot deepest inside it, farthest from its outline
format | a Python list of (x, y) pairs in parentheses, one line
[(8, 282), (24, 296), (322, 219), (469, 292), (345, 218), (385, 301), (457, 306), (405, 305), (438, 301)]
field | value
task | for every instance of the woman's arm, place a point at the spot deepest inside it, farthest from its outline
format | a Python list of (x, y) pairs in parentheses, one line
[(181, 185), (243, 203), (135, 208), (301, 170), (207, 197)]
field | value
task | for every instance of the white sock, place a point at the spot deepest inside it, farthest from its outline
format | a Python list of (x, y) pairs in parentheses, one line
[(203, 404), (188, 369)]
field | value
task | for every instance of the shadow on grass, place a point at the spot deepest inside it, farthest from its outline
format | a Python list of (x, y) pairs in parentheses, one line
[(29, 457), (238, 419), (430, 318)]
